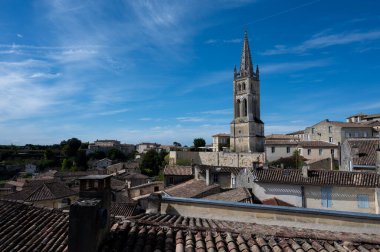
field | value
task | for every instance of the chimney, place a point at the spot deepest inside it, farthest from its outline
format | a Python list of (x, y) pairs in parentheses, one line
[(207, 177), (305, 171), (154, 203), (89, 218)]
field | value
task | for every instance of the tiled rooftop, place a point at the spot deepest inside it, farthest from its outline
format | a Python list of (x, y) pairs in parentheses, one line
[(316, 144), (178, 170), (237, 194), (317, 177), (24, 227), (122, 209), (366, 150), (191, 189), (275, 202), (155, 232), (42, 190), (281, 142), (219, 169)]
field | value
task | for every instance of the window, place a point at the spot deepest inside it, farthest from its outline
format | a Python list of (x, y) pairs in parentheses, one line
[(308, 151), (156, 189), (273, 149), (215, 178), (332, 151), (330, 129), (243, 86), (320, 152), (365, 134), (363, 201), (171, 180), (356, 134), (248, 179), (330, 139), (312, 130), (233, 182), (288, 149), (326, 199)]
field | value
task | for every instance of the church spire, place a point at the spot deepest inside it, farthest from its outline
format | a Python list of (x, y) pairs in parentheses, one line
[(246, 68)]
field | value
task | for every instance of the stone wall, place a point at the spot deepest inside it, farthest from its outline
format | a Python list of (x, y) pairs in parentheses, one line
[(218, 158)]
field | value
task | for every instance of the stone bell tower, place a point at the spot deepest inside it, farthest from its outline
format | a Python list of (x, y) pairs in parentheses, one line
[(247, 129)]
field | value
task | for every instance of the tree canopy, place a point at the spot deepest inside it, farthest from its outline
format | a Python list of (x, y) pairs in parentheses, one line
[(199, 142)]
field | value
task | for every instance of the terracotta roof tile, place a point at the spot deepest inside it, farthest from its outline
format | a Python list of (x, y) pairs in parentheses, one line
[(317, 144), (219, 169), (275, 202), (280, 142), (192, 189), (24, 227), (164, 233), (366, 150), (317, 177), (43, 190), (123, 209), (237, 194), (178, 170)]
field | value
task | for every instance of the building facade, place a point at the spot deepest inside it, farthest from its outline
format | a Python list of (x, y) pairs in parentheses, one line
[(247, 129), (337, 132)]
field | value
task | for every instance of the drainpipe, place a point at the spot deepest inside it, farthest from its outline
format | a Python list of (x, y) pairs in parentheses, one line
[(303, 196)]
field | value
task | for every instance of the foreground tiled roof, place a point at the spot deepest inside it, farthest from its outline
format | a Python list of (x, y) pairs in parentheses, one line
[(237, 194), (219, 169), (367, 150), (24, 227), (316, 144), (178, 170), (317, 177), (155, 232), (43, 190), (191, 189)]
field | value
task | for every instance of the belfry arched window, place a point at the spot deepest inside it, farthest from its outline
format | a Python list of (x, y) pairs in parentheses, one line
[(245, 107), (243, 86), (237, 108)]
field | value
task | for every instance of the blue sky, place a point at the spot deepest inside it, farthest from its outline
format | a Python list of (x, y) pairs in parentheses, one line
[(161, 71)]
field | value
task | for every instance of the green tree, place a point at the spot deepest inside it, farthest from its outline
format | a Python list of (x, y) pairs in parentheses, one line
[(71, 147), (152, 162), (298, 160), (199, 142), (176, 144), (116, 154), (49, 154), (65, 165)]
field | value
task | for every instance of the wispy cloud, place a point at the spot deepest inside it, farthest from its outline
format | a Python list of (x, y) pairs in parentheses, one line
[(223, 41), (218, 112), (293, 66), (113, 112), (190, 119), (325, 40)]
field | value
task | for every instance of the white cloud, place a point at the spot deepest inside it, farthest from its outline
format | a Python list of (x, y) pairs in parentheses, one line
[(322, 40), (293, 66)]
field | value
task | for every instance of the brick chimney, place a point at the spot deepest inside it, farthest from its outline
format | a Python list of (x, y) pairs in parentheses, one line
[(89, 219), (305, 171)]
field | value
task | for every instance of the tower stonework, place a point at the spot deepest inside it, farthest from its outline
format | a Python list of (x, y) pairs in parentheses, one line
[(247, 129)]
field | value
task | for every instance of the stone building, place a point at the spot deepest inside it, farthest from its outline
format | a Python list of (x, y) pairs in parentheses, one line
[(321, 189), (337, 132), (247, 129), (220, 141)]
